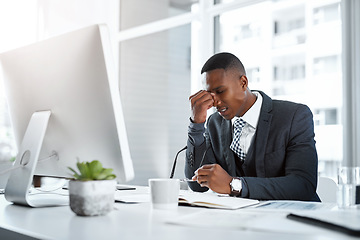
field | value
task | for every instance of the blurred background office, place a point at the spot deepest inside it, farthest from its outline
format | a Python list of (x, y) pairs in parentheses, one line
[(291, 50)]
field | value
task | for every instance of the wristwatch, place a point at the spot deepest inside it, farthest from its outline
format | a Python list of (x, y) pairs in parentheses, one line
[(236, 186)]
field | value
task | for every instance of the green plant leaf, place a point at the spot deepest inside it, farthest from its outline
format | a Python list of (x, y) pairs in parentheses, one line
[(110, 177), (104, 173), (75, 174), (82, 168), (95, 166), (72, 170), (92, 171)]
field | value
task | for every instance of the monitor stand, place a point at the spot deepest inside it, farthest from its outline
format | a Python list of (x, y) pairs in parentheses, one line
[(18, 186)]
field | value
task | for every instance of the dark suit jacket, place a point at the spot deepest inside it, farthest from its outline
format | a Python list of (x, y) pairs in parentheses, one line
[(281, 162)]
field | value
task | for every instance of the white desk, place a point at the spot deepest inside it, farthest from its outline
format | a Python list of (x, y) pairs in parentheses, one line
[(139, 221)]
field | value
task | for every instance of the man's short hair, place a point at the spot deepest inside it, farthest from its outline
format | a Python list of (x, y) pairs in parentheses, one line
[(224, 61)]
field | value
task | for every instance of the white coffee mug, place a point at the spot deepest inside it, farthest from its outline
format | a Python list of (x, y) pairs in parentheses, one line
[(164, 193)]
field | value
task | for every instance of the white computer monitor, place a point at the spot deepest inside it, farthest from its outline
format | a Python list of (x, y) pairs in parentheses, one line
[(72, 79)]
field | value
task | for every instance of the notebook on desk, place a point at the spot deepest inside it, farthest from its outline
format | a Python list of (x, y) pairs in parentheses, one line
[(213, 200)]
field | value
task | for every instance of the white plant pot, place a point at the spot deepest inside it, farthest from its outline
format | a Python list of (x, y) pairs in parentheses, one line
[(92, 198)]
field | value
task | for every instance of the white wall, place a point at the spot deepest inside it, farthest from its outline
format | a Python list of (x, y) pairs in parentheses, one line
[(155, 85)]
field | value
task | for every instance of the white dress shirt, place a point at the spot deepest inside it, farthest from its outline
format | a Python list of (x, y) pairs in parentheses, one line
[(251, 118)]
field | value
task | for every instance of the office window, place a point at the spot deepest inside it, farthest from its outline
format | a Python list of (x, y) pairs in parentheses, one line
[(24, 22), (253, 74), (288, 24), (326, 116), (326, 13), (289, 73), (18, 27), (296, 59), (281, 27), (326, 64), (248, 31)]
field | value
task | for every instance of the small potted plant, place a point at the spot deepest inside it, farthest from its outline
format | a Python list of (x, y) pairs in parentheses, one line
[(92, 190)]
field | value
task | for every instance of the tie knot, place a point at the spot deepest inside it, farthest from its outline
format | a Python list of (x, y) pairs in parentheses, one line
[(239, 124)]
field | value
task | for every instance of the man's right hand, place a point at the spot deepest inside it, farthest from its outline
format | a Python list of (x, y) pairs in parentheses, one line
[(200, 103)]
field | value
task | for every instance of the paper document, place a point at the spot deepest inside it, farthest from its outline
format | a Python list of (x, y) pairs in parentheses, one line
[(213, 200), (284, 205)]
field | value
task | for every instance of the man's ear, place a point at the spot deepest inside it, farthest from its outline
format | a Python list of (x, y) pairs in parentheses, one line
[(243, 81)]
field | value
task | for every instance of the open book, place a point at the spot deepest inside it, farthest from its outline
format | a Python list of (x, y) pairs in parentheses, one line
[(213, 200)]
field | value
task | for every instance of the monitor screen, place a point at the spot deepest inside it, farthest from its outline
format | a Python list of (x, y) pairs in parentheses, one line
[(73, 77)]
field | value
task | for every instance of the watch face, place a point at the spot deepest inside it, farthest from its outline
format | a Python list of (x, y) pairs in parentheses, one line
[(236, 184)]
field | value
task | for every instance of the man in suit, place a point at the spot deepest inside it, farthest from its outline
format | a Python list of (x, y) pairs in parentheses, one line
[(253, 146)]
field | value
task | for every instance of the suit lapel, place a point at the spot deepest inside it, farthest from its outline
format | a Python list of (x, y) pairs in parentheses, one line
[(262, 133), (226, 138)]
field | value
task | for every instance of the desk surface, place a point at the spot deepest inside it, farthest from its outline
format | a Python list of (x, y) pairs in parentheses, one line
[(140, 221)]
